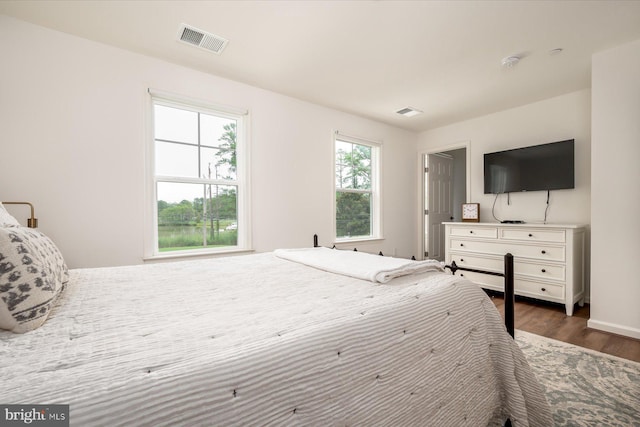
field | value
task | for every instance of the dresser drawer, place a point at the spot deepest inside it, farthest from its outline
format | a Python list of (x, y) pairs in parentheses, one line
[(524, 287), (472, 231), (470, 261), (484, 280), (533, 235), (541, 252), (535, 270), (539, 290), (542, 271)]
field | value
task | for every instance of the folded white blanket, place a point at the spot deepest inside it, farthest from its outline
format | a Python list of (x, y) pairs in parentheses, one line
[(360, 265)]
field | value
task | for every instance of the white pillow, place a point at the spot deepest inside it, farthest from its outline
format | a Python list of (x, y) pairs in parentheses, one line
[(6, 220), (32, 276)]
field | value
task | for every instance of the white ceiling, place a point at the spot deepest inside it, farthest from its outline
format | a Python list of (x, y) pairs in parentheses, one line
[(370, 58)]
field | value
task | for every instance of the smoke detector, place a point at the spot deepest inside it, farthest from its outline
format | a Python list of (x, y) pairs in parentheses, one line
[(510, 61), (201, 39)]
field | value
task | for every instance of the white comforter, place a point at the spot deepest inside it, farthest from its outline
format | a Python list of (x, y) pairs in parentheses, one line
[(258, 340)]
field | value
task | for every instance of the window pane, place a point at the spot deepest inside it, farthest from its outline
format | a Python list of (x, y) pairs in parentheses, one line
[(216, 130), (353, 214), (343, 170), (192, 216), (221, 205), (220, 133), (215, 164), (173, 124), (176, 160), (361, 166), (353, 165)]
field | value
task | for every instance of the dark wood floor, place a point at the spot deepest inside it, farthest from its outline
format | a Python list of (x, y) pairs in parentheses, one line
[(551, 321)]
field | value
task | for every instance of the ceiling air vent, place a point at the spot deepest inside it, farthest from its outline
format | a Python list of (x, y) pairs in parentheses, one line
[(201, 39), (409, 112)]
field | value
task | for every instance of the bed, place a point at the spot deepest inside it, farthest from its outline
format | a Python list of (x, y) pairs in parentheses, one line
[(263, 339)]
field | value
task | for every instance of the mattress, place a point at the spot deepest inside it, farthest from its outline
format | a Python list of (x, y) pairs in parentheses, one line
[(260, 340)]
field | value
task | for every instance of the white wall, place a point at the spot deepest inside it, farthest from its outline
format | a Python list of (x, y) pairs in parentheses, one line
[(555, 119), (615, 198), (73, 114)]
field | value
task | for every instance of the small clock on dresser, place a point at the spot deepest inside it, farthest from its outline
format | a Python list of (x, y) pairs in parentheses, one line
[(471, 212)]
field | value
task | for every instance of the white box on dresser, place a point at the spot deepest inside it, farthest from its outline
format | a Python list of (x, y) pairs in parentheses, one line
[(548, 258)]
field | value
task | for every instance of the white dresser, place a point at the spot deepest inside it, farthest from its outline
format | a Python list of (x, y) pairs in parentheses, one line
[(548, 258)]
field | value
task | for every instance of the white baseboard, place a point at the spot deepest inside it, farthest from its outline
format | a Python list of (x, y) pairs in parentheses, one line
[(613, 328)]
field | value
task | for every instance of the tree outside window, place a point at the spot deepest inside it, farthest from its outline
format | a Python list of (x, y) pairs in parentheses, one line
[(355, 190)]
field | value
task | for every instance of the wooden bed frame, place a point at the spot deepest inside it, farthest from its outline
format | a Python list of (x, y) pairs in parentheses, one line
[(509, 294)]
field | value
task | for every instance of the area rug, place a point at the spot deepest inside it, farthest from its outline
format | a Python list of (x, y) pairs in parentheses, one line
[(584, 387)]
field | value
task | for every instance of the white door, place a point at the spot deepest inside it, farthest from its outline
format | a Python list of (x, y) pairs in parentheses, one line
[(439, 204)]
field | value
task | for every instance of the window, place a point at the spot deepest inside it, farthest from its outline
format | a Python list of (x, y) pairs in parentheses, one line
[(198, 178), (357, 195)]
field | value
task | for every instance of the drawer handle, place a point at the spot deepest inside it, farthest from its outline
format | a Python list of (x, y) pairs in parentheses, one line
[(544, 271), (471, 231), (530, 235), (544, 252), (461, 259), (461, 244), (543, 289)]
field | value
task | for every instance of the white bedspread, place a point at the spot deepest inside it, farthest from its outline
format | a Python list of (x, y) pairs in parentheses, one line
[(358, 264), (258, 340)]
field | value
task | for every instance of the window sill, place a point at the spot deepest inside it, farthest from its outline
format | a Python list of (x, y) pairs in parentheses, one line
[(358, 240), (194, 254)]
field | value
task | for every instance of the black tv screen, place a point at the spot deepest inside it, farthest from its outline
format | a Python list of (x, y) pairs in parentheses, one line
[(539, 167)]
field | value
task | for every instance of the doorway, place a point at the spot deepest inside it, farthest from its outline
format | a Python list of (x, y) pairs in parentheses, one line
[(445, 189)]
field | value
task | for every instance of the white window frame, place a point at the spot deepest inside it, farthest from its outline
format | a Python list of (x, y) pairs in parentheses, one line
[(376, 192), (242, 180)]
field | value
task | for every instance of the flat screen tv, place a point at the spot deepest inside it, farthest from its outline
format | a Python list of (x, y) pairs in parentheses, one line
[(539, 167)]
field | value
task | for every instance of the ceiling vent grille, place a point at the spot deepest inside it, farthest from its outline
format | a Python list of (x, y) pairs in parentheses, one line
[(409, 112), (201, 39)]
